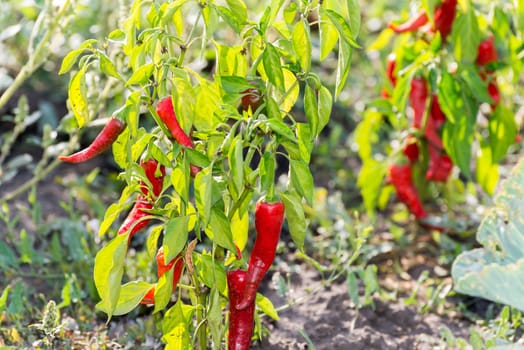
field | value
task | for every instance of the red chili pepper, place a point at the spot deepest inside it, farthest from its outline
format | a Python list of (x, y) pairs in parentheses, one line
[(444, 17), (494, 93), (133, 222), (411, 150), (240, 320), (251, 98), (268, 223), (418, 97), (400, 177), (487, 53), (166, 113), (102, 142), (436, 113), (440, 165), (162, 268), (390, 73), (411, 24)]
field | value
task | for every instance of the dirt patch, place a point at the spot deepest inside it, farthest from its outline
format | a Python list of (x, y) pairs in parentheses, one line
[(330, 320)]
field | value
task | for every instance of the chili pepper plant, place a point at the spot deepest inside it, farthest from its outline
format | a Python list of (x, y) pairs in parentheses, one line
[(211, 91), (446, 105)]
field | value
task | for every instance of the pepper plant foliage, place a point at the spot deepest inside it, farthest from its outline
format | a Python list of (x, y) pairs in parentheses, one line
[(202, 212), (449, 76), (496, 271)]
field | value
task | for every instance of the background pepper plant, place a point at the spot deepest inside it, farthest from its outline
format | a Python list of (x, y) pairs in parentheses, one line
[(198, 145), (446, 102)]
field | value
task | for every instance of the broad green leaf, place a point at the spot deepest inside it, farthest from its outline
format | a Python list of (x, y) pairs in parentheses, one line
[(292, 91), (236, 164), (211, 19), (370, 181), (107, 66), (152, 240), (267, 171), (112, 212), (78, 97), (203, 195), (175, 236), (207, 102), (449, 97), (354, 17), (457, 139), (466, 35), (325, 104), (108, 271), (290, 12), (487, 171), (120, 148), (141, 75), (353, 290), (219, 230), (295, 217), (230, 18), (175, 326), (180, 179), (280, 128), (328, 35), (344, 30), (231, 62), (311, 109), (502, 131), (238, 8), (210, 272), (197, 158), (69, 60), (302, 45), (130, 296), (266, 306), (273, 67), (305, 141), (214, 316), (233, 84), (472, 79), (163, 291), (240, 228), (345, 53), (495, 271), (302, 179)]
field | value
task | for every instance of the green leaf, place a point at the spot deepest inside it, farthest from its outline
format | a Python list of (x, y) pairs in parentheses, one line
[(131, 295), (370, 181), (487, 172), (280, 128), (449, 97), (354, 17), (175, 236), (163, 291), (496, 271), (233, 84), (69, 60), (197, 158), (266, 306), (345, 53), (344, 30), (328, 35), (267, 171), (466, 35), (502, 131), (238, 8), (175, 326), (210, 272), (311, 110), (78, 97), (273, 67), (108, 271), (295, 217), (141, 75), (302, 45), (230, 18), (353, 290), (219, 230), (305, 141), (107, 66), (214, 316), (236, 164), (203, 195), (477, 87), (325, 105), (457, 139), (301, 179)]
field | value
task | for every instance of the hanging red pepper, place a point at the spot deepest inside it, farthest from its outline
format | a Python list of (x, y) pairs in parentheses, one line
[(102, 142), (268, 223), (400, 177), (240, 320), (444, 17), (487, 53), (418, 98), (390, 73), (494, 93), (134, 222), (440, 165), (176, 264), (436, 113), (411, 150), (411, 24), (166, 112)]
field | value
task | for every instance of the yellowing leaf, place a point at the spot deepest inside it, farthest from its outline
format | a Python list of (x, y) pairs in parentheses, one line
[(239, 228), (77, 97)]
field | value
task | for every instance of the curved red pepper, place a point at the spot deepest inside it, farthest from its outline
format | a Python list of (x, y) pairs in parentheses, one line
[(411, 24), (444, 17), (390, 73), (440, 165), (102, 142), (418, 97), (240, 320), (494, 93), (400, 177), (268, 223), (166, 113), (411, 150), (134, 221), (176, 264), (487, 53)]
